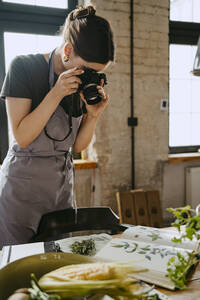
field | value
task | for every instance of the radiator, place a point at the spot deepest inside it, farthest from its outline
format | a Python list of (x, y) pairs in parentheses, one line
[(193, 186)]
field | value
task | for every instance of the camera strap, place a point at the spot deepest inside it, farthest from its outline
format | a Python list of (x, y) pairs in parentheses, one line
[(51, 84)]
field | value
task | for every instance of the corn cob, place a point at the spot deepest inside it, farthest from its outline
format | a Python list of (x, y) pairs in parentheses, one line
[(88, 279)]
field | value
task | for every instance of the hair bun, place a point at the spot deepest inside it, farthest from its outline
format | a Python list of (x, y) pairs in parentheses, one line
[(83, 12)]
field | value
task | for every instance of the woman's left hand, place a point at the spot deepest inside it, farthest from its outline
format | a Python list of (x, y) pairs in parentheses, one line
[(96, 109)]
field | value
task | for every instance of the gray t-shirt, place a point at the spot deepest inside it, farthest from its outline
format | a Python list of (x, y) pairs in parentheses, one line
[(28, 77)]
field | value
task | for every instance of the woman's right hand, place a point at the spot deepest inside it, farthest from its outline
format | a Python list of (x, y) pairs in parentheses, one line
[(68, 82)]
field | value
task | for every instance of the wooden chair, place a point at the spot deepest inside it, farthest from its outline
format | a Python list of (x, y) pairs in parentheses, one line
[(59, 224), (140, 207)]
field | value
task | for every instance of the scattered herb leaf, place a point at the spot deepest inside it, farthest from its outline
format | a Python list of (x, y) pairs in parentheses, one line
[(85, 247)]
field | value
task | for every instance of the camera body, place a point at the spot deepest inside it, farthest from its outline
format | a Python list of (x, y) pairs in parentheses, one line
[(90, 79)]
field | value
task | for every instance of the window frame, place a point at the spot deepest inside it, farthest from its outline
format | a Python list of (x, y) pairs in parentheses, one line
[(183, 33), (31, 19)]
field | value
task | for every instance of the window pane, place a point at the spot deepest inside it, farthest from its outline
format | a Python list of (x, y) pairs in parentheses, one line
[(181, 61), (179, 96), (196, 11), (180, 129), (47, 3), (185, 10), (184, 104), (19, 43), (195, 99), (195, 126)]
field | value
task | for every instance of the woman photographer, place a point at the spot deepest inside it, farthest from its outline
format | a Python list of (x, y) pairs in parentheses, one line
[(48, 115)]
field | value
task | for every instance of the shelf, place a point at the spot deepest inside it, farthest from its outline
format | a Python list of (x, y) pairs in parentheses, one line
[(81, 164), (183, 157)]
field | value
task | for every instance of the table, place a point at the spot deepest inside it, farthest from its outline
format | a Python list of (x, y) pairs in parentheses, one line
[(192, 293)]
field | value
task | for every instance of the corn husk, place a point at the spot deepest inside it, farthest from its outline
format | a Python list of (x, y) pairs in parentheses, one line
[(94, 278)]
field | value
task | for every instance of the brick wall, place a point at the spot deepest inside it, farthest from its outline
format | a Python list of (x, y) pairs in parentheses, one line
[(111, 146), (150, 86)]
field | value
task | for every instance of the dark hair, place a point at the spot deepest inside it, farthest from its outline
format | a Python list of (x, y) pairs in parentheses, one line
[(90, 36)]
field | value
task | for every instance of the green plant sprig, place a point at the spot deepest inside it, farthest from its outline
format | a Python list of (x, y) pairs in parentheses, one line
[(183, 216), (178, 268), (35, 292)]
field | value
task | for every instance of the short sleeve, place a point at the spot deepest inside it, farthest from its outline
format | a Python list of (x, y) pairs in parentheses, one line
[(16, 82)]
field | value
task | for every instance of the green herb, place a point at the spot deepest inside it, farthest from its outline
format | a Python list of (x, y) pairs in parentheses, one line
[(178, 268), (35, 292), (85, 247), (183, 216)]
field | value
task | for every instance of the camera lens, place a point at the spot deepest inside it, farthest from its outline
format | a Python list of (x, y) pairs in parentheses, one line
[(90, 79), (91, 94)]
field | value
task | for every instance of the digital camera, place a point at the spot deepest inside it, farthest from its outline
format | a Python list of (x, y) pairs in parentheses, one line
[(90, 79)]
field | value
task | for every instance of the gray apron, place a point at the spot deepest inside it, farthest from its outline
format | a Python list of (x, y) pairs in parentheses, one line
[(37, 179)]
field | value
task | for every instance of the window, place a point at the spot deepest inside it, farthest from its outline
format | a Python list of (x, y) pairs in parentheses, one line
[(26, 44), (47, 3), (30, 29), (184, 104), (185, 10), (184, 97)]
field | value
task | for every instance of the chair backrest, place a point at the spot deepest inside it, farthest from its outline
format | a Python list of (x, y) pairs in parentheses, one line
[(140, 207), (58, 224)]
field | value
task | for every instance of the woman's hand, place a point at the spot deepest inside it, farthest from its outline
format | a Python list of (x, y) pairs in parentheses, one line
[(68, 82), (96, 109), (89, 120)]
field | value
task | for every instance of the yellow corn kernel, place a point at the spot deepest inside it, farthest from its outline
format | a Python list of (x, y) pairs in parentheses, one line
[(95, 271), (84, 279)]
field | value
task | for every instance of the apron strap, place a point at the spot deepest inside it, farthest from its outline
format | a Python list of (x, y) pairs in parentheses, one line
[(51, 84), (51, 70)]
